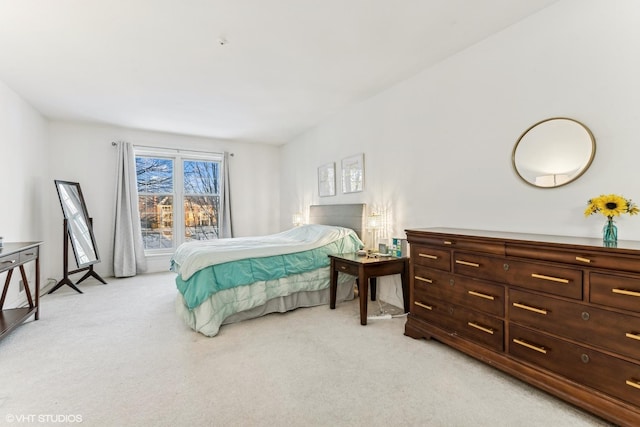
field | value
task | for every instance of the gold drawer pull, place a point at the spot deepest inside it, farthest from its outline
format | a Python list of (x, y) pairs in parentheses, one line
[(551, 278), (632, 336), (447, 242), (625, 292), (581, 259), (481, 295), (470, 264), (428, 256), (633, 383), (423, 279), (343, 268), (529, 308), (482, 328), (531, 346), (419, 304)]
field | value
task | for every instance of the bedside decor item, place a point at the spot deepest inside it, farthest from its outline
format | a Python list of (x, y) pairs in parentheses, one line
[(375, 226), (297, 219), (399, 247), (610, 205)]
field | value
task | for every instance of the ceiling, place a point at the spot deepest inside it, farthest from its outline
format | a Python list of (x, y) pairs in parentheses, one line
[(250, 70)]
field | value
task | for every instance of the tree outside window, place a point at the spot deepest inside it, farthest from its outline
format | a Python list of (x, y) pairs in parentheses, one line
[(169, 181), (201, 199)]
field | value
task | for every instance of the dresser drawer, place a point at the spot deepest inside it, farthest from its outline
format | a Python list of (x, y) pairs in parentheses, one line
[(615, 291), (556, 280), (347, 268), (431, 257), (609, 330), (460, 242), (28, 254), (576, 257), (435, 241), (9, 261), (475, 294), (479, 327), (433, 310), (434, 282), (490, 247), (608, 374), (480, 266), (473, 325)]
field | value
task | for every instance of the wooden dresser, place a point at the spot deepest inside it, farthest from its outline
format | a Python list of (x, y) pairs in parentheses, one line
[(560, 313)]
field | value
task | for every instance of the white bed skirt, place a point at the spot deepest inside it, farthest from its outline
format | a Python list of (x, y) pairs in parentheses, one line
[(212, 313)]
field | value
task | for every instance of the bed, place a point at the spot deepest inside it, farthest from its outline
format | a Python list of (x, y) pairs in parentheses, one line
[(229, 280)]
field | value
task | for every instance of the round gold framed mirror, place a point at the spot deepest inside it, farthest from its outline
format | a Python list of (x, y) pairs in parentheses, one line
[(553, 152)]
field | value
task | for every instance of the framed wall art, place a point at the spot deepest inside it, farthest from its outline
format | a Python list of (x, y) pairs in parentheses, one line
[(327, 180), (353, 174)]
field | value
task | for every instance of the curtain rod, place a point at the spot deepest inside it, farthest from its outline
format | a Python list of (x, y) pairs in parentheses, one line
[(115, 144)]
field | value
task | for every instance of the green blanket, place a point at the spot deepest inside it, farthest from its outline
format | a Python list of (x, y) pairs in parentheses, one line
[(212, 279)]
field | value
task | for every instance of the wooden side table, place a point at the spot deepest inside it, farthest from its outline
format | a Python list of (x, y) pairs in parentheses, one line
[(365, 268)]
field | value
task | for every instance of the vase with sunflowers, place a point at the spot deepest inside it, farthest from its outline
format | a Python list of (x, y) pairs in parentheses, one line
[(610, 205)]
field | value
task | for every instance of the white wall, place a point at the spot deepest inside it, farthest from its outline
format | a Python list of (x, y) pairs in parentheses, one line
[(23, 173), (83, 153), (438, 146)]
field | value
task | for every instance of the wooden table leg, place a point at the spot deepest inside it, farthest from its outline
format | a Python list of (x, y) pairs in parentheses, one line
[(404, 277), (363, 291), (333, 285), (37, 293), (374, 287), (6, 288), (25, 283)]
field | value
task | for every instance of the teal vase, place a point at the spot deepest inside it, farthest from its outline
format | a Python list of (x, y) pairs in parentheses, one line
[(610, 233)]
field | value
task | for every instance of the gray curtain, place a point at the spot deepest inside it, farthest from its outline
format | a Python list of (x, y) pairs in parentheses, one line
[(128, 248), (225, 200)]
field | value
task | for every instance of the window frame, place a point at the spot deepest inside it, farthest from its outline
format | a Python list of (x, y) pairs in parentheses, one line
[(178, 157)]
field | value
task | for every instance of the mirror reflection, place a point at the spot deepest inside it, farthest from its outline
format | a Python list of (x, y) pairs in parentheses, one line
[(553, 152), (78, 225)]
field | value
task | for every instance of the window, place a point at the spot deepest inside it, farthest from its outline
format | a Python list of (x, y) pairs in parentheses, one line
[(166, 181)]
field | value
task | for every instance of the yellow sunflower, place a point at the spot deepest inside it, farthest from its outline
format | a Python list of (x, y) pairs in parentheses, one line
[(611, 205), (591, 207)]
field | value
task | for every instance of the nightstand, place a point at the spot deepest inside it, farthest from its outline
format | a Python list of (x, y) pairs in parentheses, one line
[(365, 268)]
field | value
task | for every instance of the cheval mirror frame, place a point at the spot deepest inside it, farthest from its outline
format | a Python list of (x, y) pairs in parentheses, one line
[(77, 228)]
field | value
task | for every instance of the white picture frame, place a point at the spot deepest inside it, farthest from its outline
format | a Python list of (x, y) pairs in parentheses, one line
[(327, 180), (353, 174)]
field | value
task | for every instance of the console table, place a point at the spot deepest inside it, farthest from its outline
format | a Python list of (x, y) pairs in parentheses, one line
[(14, 255)]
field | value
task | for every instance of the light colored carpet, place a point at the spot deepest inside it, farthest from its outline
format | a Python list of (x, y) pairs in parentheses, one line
[(119, 356)]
